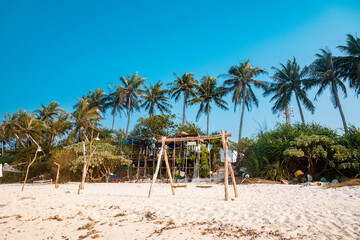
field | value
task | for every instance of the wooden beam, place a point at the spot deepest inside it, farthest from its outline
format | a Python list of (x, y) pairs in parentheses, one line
[(169, 171), (194, 138), (226, 181), (157, 167)]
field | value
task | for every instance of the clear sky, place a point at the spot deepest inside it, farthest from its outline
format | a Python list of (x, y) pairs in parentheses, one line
[(59, 50)]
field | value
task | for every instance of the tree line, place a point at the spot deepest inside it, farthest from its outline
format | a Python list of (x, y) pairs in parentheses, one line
[(132, 93)]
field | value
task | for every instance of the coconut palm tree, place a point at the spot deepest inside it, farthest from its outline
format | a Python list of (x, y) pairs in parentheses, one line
[(239, 83), (208, 92), (325, 73), (28, 127), (289, 80), (117, 102), (48, 113), (155, 97), (132, 86), (59, 127), (185, 85), (85, 123), (84, 120), (350, 64), (97, 99)]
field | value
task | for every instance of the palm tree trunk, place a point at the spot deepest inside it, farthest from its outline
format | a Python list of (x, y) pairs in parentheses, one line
[(208, 114), (114, 113), (84, 168), (2, 148), (127, 127), (242, 114), (339, 105), (300, 109), (185, 98)]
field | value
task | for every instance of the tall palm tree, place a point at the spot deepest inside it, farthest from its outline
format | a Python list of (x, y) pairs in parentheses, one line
[(187, 86), (97, 99), (325, 73), (117, 102), (208, 92), (132, 86), (59, 127), (289, 79), (48, 113), (28, 127), (240, 81), (85, 119), (85, 123), (350, 64), (155, 97)]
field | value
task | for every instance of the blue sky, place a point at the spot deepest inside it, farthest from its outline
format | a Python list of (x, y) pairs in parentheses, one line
[(59, 50)]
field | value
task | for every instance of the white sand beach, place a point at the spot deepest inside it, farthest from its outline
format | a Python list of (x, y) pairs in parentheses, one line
[(123, 211)]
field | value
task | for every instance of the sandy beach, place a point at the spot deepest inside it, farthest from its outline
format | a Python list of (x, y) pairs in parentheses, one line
[(123, 211)]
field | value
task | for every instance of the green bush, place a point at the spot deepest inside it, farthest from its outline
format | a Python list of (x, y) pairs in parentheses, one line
[(312, 148)]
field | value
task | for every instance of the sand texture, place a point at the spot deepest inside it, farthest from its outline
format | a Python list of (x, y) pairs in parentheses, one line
[(123, 211)]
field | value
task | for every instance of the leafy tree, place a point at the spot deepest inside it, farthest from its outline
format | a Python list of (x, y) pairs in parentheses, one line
[(155, 126), (185, 85), (240, 81), (208, 92), (155, 97), (132, 86), (103, 161), (350, 64), (325, 73), (189, 128), (97, 99), (288, 81)]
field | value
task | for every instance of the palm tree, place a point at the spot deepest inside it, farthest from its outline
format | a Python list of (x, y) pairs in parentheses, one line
[(117, 102), (48, 113), (60, 127), (97, 99), (186, 85), (85, 122), (325, 73), (131, 86), (288, 80), (350, 64), (28, 127), (208, 92), (154, 96), (239, 82)]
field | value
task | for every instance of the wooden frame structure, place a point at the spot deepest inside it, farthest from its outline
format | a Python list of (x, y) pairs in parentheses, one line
[(225, 142)]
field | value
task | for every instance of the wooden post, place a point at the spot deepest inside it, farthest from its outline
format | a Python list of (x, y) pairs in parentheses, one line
[(226, 182), (57, 175), (157, 167), (231, 170), (145, 162), (169, 171), (138, 165)]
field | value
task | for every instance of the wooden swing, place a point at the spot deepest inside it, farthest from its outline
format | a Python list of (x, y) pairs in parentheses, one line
[(225, 143)]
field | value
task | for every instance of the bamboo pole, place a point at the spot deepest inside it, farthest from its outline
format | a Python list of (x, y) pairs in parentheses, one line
[(157, 167), (231, 171), (57, 175), (194, 138), (169, 171), (226, 181)]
